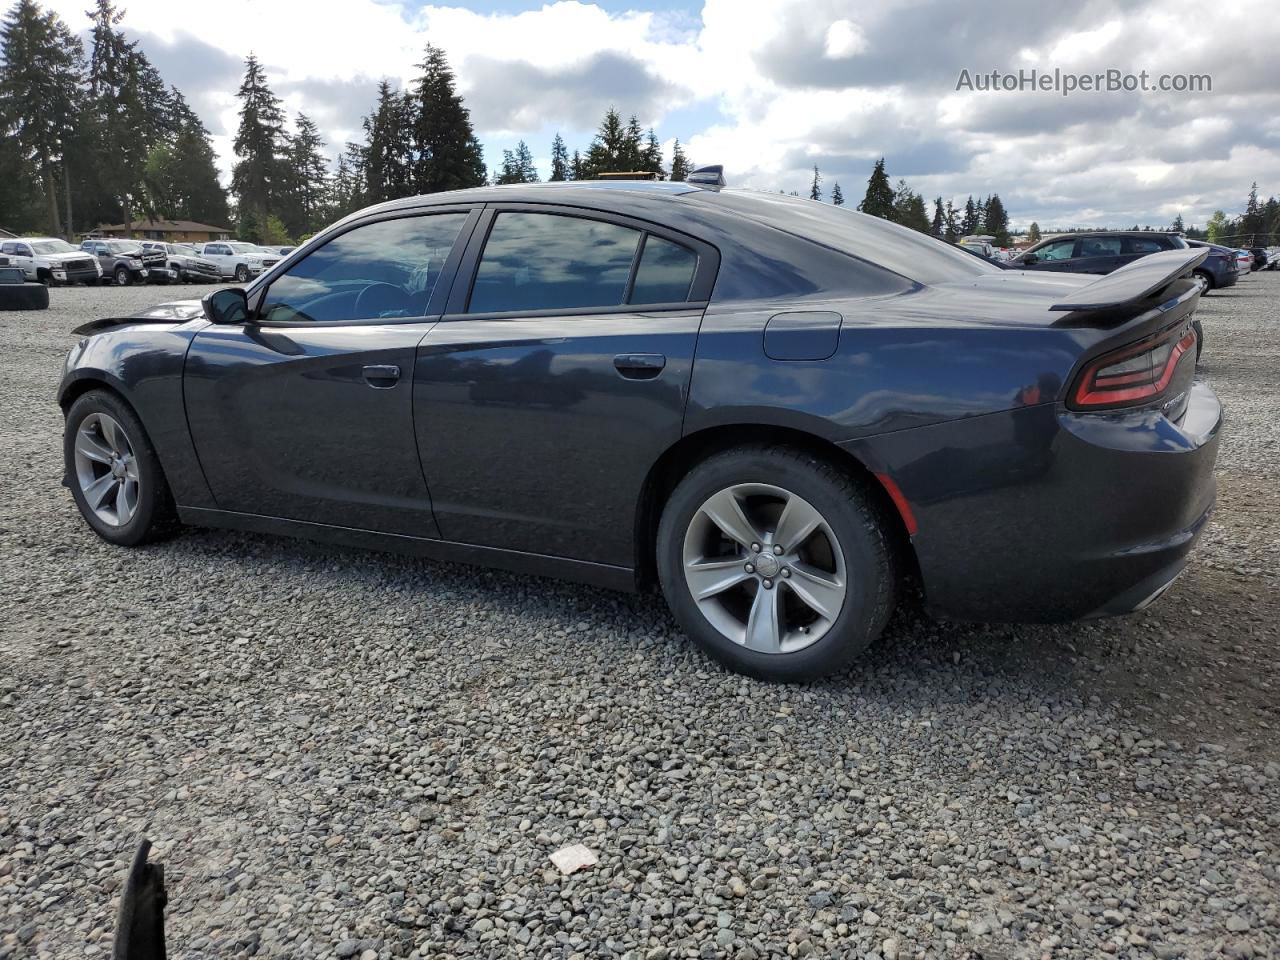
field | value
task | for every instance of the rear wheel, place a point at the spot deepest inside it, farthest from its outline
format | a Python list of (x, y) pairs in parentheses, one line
[(115, 476), (1206, 280), (776, 562)]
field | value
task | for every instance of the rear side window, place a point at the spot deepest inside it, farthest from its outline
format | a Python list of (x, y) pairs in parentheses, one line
[(1100, 247), (379, 271), (665, 272), (1141, 245), (542, 261)]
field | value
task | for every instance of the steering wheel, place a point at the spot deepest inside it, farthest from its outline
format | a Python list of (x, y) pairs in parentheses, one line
[(381, 299)]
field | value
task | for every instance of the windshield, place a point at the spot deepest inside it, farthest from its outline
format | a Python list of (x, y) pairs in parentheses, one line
[(53, 246), (119, 246), (909, 253), (182, 248)]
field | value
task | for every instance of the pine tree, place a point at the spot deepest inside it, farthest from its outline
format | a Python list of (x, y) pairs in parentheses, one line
[(634, 159), (837, 197), (347, 190), (41, 68), (651, 157), (446, 153), (680, 165), (310, 178), (909, 209), (1177, 226), (951, 224), (559, 160), (879, 197), (938, 227), (969, 222), (517, 166), (996, 221), (611, 150), (1251, 224), (388, 159), (258, 177), (1033, 232), (815, 190), (577, 167)]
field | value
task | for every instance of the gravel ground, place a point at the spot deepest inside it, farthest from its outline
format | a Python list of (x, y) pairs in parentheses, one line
[(346, 754)]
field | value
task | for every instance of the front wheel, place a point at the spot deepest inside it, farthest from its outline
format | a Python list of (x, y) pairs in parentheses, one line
[(242, 273), (123, 276), (114, 473), (776, 562)]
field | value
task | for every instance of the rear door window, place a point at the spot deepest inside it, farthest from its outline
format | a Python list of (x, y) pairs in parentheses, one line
[(1142, 245), (1100, 247), (543, 261), (665, 272)]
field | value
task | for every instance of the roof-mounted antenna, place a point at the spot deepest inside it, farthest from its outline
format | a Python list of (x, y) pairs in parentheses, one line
[(712, 176)]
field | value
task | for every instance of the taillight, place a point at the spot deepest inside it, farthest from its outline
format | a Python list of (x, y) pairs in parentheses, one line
[(1134, 374)]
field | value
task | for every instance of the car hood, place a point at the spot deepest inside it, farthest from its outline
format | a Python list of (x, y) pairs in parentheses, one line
[(176, 313), (65, 257)]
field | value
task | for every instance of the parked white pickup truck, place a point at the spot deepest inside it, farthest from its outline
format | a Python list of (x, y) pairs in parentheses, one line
[(235, 260), (50, 260)]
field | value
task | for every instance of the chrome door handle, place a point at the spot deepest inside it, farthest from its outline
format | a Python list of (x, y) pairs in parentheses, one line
[(382, 376)]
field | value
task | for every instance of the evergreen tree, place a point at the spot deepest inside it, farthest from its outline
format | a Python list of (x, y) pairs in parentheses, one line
[(258, 178), (970, 221), (126, 113), (445, 152), (837, 197), (559, 160), (41, 67), (680, 165), (909, 208), (577, 167), (651, 156), (347, 191), (309, 169), (951, 224), (938, 227), (181, 171), (815, 189), (388, 158), (879, 197), (996, 220), (1251, 224), (635, 146), (517, 166), (1033, 232), (1177, 226), (611, 150)]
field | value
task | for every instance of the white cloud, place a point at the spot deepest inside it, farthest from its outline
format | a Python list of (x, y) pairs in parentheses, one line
[(770, 87)]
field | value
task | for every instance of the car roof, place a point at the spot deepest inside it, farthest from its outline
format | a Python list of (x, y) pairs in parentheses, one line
[(31, 239)]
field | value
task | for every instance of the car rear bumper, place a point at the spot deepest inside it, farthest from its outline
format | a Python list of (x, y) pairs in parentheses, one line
[(1043, 514)]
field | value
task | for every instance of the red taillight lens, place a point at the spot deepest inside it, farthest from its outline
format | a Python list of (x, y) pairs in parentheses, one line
[(1134, 374)]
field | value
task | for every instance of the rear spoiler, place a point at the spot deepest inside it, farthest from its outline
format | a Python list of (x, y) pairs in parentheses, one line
[(1135, 281)]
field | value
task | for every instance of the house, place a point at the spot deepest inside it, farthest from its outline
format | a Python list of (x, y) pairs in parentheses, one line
[(174, 231)]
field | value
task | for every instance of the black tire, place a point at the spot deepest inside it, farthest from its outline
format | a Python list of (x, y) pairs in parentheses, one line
[(853, 513), (24, 296), (242, 273), (156, 517), (123, 277), (1207, 277), (44, 277)]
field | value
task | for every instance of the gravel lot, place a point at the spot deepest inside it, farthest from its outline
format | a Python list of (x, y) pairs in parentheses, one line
[(346, 754)]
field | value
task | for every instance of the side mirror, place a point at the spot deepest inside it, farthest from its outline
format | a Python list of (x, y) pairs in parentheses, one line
[(1028, 258), (226, 306)]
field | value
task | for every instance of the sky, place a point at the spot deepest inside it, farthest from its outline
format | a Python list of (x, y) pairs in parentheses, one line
[(769, 88)]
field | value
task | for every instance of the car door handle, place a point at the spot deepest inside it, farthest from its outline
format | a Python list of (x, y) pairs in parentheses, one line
[(382, 376), (639, 366)]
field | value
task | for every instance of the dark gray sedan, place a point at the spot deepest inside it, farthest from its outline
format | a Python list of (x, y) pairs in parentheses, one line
[(781, 412)]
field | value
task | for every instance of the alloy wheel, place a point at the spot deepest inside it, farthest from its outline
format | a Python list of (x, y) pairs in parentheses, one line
[(764, 568), (106, 469)]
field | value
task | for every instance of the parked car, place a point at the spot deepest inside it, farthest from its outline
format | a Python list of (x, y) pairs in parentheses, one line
[(237, 261), (1219, 268), (1244, 260), (183, 264), (1097, 252), (124, 261), (279, 252), (1273, 257), (1259, 257), (526, 354), (49, 260), (981, 247)]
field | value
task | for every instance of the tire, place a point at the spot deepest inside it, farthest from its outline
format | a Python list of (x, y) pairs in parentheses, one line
[(242, 273), (44, 277), (123, 277), (849, 549), (151, 515), (1207, 277), (24, 296)]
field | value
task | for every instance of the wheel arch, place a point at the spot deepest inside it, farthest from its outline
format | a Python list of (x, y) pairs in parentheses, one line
[(693, 448)]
